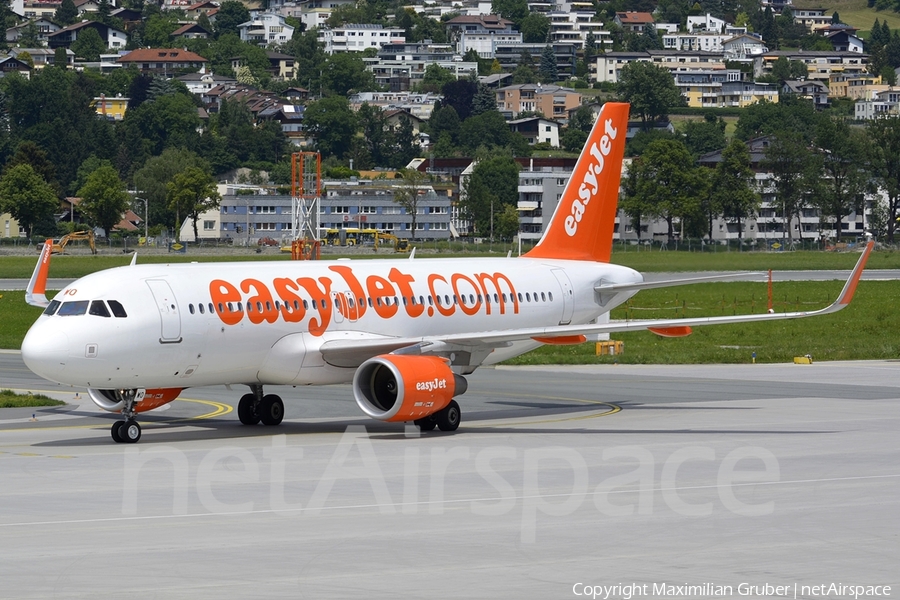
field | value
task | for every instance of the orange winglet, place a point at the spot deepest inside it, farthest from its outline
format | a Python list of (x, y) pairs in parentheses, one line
[(562, 340), (850, 287), (672, 332)]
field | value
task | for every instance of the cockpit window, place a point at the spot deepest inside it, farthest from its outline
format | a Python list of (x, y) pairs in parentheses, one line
[(98, 309), (117, 309), (74, 308), (51, 308)]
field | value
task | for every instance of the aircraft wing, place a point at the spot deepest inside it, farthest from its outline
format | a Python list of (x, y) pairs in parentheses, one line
[(354, 352)]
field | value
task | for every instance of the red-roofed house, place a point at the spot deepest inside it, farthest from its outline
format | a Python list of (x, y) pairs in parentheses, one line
[(168, 62), (634, 21)]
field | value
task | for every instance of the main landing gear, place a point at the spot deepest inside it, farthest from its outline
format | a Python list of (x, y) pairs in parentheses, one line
[(256, 407), (129, 430), (446, 419)]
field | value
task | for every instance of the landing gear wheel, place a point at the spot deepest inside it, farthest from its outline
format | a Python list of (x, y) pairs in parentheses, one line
[(448, 418), (427, 423), (271, 410), (114, 430), (130, 432), (246, 413)]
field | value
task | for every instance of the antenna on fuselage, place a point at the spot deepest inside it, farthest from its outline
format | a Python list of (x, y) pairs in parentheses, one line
[(412, 253), (133, 259)]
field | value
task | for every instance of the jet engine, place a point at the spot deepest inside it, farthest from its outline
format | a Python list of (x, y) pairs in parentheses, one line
[(397, 387), (145, 400)]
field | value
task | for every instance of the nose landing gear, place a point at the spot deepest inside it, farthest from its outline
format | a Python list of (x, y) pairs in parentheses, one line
[(129, 430)]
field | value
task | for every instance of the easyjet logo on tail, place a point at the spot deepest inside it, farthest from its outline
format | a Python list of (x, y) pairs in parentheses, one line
[(590, 184)]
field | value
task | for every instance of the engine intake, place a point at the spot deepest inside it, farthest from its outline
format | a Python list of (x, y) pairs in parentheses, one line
[(147, 399), (395, 387)]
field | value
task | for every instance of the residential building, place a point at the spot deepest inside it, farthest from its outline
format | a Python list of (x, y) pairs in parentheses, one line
[(43, 56), (167, 62), (359, 37), (64, 37), (9, 227), (537, 130), (743, 47), (481, 33), (367, 204), (839, 84), (290, 116), (552, 101), (265, 29), (812, 18), (191, 31), (36, 9), (574, 27), (541, 184), (703, 89), (609, 65), (203, 7), (10, 64), (200, 83), (821, 64), (400, 66), (843, 38), (282, 66), (43, 26), (809, 89), (634, 21), (707, 42), (882, 103), (740, 94), (111, 108), (705, 23), (419, 105), (509, 56)]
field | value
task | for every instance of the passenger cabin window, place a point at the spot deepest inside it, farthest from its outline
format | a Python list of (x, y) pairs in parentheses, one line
[(73, 309), (51, 308), (98, 309)]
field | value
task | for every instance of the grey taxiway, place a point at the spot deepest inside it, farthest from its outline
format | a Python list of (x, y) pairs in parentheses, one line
[(558, 477)]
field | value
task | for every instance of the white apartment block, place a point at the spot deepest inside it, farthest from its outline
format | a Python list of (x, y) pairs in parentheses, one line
[(706, 42), (574, 27), (706, 23), (265, 29), (882, 104), (359, 37)]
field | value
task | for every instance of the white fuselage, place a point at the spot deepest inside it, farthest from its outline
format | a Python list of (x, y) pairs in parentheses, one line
[(191, 325)]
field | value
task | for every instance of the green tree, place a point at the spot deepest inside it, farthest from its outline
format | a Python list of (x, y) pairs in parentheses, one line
[(332, 123), (29, 36), (66, 13), (158, 29), (669, 185), (409, 193), (91, 164), (485, 99), (89, 45), (31, 154), (884, 134), (153, 178), (535, 28), (60, 58), (190, 193), (514, 10), (231, 14), (507, 223), (549, 70), (489, 129), (346, 71), (573, 139), (376, 135), (492, 186), (789, 114), (444, 120), (26, 196), (650, 90), (704, 136), (435, 78), (845, 163), (104, 199), (795, 175), (733, 185)]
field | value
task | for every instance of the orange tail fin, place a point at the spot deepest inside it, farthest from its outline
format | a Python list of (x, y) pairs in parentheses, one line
[(582, 226), (37, 286)]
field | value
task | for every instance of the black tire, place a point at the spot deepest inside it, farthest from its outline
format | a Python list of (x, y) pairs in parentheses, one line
[(426, 424), (448, 419), (114, 430), (246, 413), (130, 432), (271, 410)]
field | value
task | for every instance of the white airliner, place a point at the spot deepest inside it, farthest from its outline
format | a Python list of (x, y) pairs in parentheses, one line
[(405, 332)]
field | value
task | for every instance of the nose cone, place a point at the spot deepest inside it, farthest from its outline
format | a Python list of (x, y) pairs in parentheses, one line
[(45, 352)]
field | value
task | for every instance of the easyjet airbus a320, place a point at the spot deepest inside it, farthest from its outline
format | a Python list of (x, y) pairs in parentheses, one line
[(405, 332)]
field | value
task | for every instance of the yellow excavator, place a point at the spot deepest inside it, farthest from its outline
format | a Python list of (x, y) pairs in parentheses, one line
[(400, 244), (59, 246)]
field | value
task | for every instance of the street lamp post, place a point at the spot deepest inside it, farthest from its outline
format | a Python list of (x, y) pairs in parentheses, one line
[(134, 194)]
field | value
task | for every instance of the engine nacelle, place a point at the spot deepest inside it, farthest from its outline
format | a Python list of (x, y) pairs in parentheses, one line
[(146, 399), (397, 387)]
